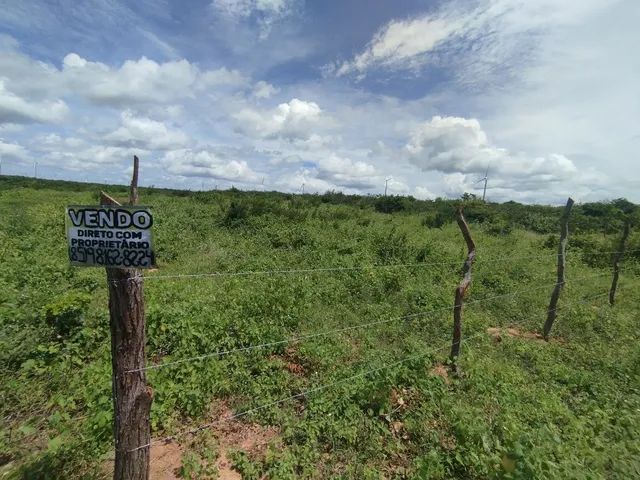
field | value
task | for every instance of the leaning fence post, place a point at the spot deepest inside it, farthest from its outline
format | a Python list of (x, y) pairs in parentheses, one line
[(616, 262), (555, 295), (462, 288), (131, 396)]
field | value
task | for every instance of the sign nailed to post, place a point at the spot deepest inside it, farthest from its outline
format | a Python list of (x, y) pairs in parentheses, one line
[(110, 236)]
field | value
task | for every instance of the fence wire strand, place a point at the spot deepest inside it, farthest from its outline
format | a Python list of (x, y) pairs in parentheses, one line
[(334, 269), (301, 338), (333, 384)]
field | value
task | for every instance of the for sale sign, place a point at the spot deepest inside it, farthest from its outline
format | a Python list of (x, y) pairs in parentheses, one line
[(106, 236)]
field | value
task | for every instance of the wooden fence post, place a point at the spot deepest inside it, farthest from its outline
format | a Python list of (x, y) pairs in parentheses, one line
[(555, 295), (131, 396), (461, 290), (616, 262)]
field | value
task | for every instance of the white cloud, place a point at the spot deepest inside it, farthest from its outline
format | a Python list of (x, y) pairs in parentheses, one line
[(143, 80), (400, 44), (78, 154), (141, 132), (205, 163), (478, 41), (347, 173), (264, 89), (296, 119), (12, 150), (454, 144), (423, 193), (15, 109)]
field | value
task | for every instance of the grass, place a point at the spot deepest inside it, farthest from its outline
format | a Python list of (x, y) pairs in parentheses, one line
[(521, 409)]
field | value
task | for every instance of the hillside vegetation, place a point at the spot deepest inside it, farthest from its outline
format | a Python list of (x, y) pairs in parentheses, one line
[(522, 408)]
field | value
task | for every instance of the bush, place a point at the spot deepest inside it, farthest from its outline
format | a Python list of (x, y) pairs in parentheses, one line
[(236, 215), (392, 247), (389, 204), (66, 313), (437, 219)]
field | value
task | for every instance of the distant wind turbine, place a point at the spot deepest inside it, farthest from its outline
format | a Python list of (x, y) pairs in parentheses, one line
[(386, 183), (485, 178)]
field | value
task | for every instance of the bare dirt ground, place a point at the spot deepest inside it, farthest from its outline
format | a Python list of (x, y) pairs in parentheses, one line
[(232, 435)]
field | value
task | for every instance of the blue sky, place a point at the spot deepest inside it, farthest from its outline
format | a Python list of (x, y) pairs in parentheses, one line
[(338, 95)]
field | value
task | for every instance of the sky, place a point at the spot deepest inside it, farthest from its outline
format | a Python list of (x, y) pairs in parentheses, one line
[(341, 95)]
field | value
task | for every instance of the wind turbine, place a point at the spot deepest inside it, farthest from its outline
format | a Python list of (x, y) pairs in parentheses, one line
[(302, 188), (386, 183), (485, 178)]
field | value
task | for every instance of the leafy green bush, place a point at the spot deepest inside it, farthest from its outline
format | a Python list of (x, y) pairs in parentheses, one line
[(390, 204), (236, 215), (66, 313)]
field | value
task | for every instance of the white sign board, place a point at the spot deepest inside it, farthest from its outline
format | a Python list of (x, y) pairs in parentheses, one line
[(110, 236)]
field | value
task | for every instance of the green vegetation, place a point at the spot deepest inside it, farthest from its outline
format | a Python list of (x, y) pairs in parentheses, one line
[(522, 409)]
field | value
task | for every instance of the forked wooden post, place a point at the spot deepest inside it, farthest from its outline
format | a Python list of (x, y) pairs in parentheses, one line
[(461, 290), (131, 396), (555, 295), (616, 262)]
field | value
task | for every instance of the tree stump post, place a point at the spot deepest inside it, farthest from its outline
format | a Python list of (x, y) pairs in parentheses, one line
[(461, 289), (555, 295), (616, 262), (131, 396)]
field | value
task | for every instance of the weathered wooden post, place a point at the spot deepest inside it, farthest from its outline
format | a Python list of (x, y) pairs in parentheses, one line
[(131, 396), (461, 290), (555, 295), (616, 262)]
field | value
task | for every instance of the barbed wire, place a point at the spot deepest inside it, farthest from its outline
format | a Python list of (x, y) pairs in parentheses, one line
[(302, 338), (286, 271), (332, 384)]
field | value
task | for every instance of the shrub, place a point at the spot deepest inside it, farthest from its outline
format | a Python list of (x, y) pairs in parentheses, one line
[(66, 313), (237, 214), (389, 204)]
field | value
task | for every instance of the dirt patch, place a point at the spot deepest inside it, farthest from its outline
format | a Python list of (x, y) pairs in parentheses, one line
[(292, 362), (164, 464), (232, 435), (497, 334), (439, 370), (165, 461), (166, 457)]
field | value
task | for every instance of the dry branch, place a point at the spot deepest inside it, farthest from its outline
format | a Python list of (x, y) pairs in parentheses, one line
[(555, 295), (616, 262), (462, 288)]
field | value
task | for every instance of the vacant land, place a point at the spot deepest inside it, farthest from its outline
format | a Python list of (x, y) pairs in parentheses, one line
[(381, 403)]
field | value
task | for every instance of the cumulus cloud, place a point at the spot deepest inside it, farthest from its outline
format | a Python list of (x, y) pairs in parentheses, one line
[(264, 89), (347, 173), (141, 132), (15, 109), (143, 80), (454, 144), (79, 154), (12, 150), (206, 163), (296, 119)]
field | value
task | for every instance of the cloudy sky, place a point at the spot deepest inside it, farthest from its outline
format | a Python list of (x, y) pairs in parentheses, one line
[(335, 94)]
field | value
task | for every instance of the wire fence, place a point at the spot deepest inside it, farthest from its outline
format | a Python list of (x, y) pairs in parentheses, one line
[(302, 338), (348, 379), (341, 330), (290, 271)]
